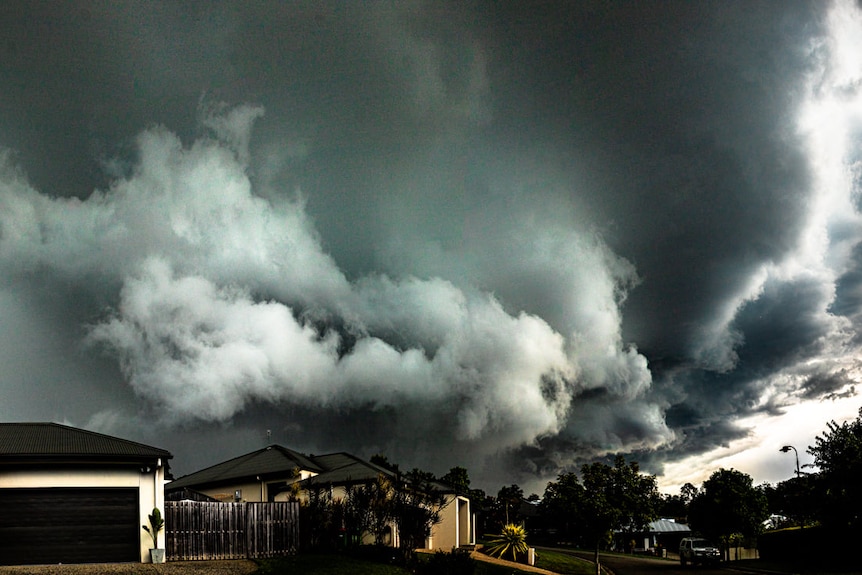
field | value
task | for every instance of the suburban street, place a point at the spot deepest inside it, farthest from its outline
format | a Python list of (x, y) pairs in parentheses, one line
[(639, 565)]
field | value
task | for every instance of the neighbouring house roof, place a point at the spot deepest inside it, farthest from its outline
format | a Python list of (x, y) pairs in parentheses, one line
[(668, 526), (40, 442), (271, 461), (343, 468), (275, 462)]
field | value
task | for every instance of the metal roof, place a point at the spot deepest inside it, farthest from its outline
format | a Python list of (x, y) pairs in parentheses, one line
[(28, 441), (271, 460), (277, 462), (668, 526), (342, 468)]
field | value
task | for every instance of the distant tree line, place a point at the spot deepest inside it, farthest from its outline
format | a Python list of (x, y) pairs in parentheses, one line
[(587, 508)]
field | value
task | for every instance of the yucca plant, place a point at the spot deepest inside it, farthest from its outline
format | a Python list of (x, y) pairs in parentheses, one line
[(512, 539)]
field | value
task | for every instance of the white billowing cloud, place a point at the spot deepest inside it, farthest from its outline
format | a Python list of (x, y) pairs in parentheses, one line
[(220, 299), (193, 206), (232, 125), (198, 350)]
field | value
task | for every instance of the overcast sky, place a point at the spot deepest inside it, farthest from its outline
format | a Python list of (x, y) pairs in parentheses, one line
[(513, 237)]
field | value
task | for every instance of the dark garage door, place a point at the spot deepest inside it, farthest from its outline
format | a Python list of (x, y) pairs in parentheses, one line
[(69, 526)]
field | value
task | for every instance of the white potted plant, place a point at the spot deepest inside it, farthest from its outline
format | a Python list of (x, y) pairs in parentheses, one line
[(157, 523)]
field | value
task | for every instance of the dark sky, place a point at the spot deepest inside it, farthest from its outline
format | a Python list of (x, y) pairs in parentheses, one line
[(510, 236)]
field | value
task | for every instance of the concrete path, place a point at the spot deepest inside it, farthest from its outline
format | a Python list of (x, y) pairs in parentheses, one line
[(488, 559)]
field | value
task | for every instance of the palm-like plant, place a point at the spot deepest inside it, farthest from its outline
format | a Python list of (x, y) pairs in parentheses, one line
[(513, 538), (156, 525)]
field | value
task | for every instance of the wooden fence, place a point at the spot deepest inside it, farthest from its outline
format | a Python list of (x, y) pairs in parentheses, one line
[(198, 530)]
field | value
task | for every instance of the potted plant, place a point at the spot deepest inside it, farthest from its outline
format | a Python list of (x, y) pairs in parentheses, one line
[(157, 523)]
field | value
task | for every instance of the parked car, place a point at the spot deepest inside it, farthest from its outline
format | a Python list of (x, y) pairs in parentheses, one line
[(695, 550)]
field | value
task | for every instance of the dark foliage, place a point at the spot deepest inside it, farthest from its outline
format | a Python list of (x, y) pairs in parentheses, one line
[(796, 499), (607, 499), (458, 562), (728, 505), (838, 454), (321, 520), (812, 549)]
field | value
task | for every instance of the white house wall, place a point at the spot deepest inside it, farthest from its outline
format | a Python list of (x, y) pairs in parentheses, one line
[(456, 526), (251, 492)]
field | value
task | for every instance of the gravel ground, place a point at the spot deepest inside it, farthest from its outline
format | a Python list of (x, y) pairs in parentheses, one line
[(239, 567)]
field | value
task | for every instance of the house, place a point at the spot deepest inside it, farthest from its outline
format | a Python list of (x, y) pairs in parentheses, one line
[(276, 473), (256, 476), (661, 535), (75, 496), (665, 534)]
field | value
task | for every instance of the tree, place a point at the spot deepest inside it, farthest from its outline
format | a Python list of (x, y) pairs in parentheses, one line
[(368, 509), (562, 504), (795, 498), (688, 492), (319, 517), (838, 454), (459, 480), (416, 508), (409, 500), (616, 498), (508, 503), (672, 506), (383, 461), (676, 506), (728, 504)]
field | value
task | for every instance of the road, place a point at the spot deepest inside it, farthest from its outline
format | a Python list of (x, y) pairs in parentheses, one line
[(638, 565)]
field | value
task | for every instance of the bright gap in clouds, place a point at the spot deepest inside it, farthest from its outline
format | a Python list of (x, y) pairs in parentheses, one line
[(758, 454), (831, 123)]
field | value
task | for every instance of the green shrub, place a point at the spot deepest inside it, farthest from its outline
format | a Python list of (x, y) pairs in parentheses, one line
[(458, 562)]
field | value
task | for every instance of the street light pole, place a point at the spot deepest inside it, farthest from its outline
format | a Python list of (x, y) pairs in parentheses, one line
[(787, 448)]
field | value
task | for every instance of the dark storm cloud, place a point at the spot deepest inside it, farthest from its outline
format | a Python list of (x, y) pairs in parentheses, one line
[(848, 288), (829, 386), (532, 234)]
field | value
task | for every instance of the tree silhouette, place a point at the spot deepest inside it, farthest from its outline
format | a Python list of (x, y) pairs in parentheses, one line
[(728, 504), (838, 454)]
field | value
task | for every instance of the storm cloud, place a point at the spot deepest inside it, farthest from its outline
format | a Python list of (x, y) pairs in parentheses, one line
[(508, 237)]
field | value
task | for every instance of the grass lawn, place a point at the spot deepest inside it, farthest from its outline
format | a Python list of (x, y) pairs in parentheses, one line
[(560, 562)]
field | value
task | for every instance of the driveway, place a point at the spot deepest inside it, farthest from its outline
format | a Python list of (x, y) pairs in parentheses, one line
[(238, 567)]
